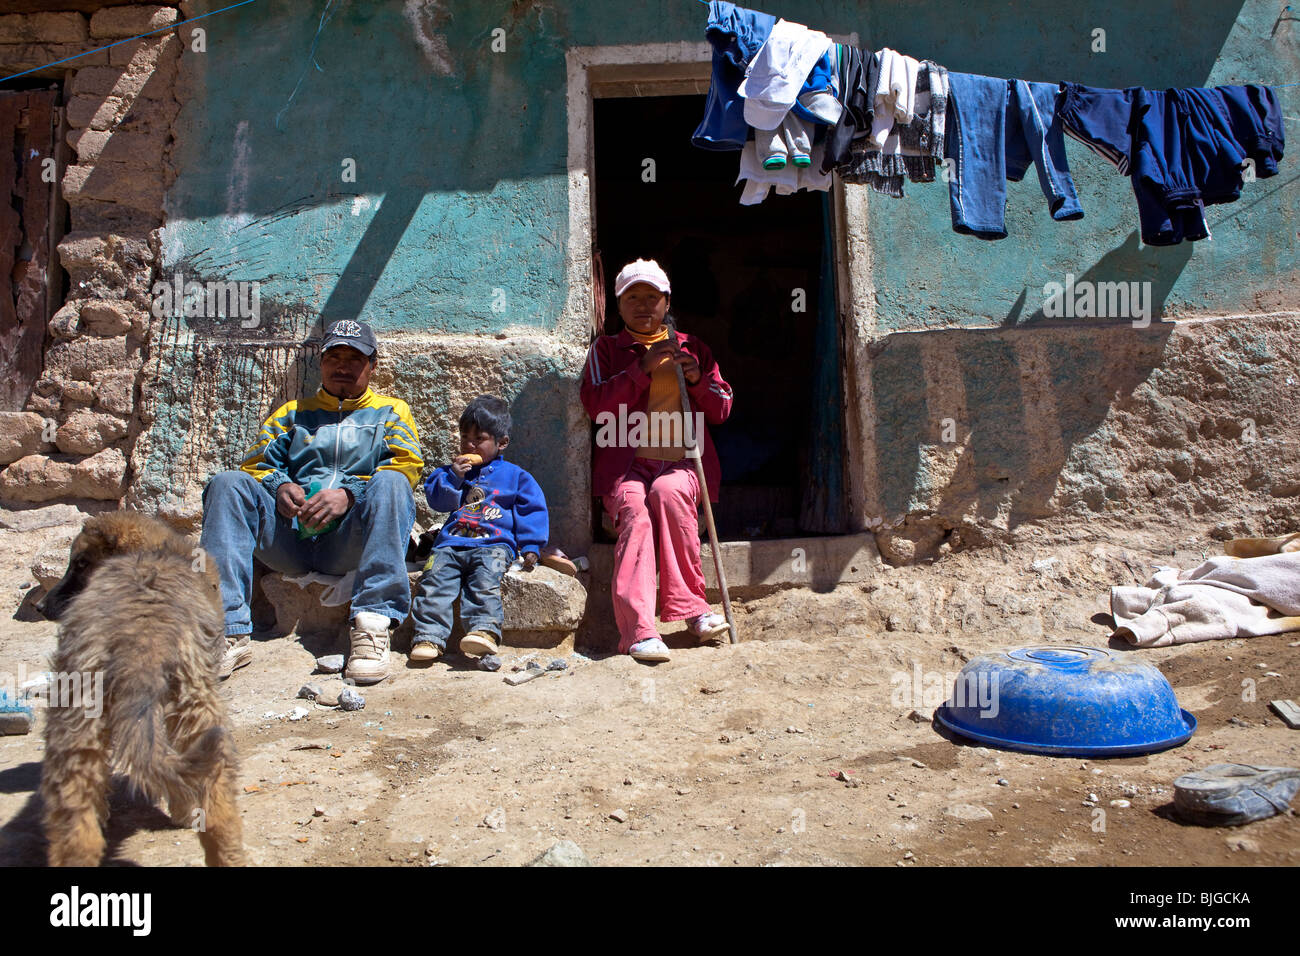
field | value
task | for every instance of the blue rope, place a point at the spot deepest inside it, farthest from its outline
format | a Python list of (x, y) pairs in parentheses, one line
[(311, 60)]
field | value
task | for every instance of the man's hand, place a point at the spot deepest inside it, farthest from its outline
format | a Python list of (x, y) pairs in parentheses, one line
[(289, 498), (657, 355), (530, 560), (323, 507)]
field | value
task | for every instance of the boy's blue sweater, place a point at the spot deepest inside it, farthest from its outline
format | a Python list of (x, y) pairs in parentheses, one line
[(511, 511)]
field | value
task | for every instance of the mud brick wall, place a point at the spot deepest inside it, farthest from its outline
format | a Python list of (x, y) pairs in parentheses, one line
[(75, 438)]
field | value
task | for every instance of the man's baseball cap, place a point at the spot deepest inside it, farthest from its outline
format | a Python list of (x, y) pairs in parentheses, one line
[(349, 332), (642, 270)]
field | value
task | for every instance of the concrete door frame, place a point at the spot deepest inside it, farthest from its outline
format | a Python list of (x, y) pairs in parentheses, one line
[(666, 69)]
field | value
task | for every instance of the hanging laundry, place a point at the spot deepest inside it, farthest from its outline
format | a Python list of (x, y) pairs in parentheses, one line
[(736, 35), (788, 179), (1099, 118), (1185, 157), (997, 129), (819, 101), (789, 142), (911, 149), (777, 74), (895, 93)]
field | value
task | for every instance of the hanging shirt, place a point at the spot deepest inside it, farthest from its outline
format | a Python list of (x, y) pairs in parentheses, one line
[(777, 74)]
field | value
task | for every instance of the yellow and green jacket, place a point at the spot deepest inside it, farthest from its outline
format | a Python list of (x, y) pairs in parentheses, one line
[(340, 443)]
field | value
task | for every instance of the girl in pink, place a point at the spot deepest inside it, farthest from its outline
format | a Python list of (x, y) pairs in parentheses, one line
[(639, 466)]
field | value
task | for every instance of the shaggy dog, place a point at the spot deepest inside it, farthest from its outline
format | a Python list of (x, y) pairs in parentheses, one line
[(141, 625)]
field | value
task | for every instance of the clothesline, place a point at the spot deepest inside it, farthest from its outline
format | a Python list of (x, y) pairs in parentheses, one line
[(778, 86)]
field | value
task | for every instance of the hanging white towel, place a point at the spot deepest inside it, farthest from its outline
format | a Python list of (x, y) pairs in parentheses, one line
[(778, 72)]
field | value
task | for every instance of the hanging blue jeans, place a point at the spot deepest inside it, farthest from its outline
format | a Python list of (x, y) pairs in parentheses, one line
[(240, 522), (996, 129)]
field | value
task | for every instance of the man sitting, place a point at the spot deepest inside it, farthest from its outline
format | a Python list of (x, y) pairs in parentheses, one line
[(327, 487)]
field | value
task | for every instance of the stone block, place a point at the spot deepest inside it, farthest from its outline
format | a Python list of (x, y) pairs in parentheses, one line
[(50, 60), (42, 28), (81, 358), (110, 317), (35, 478), (138, 187), (101, 476), (118, 23), (115, 391), (66, 323), (142, 56), (95, 112), (542, 608), (78, 393), (86, 432), (119, 146), (20, 435)]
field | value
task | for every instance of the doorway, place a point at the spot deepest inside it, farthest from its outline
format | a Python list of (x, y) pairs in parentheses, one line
[(756, 284)]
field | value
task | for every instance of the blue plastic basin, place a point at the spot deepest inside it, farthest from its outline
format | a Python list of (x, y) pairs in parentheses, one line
[(1068, 701)]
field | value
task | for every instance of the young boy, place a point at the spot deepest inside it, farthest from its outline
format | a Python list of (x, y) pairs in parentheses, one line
[(497, 510)]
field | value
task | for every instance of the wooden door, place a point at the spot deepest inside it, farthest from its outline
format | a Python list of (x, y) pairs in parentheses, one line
[(27, 139)]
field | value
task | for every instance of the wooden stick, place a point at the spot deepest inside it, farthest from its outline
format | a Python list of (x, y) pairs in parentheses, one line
[(693, 452)]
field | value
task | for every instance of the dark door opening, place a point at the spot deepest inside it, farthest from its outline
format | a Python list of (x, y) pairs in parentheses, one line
[(754, 283)]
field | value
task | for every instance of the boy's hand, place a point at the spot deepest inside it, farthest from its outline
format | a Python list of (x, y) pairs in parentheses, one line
[(461, 464), (530, 560)]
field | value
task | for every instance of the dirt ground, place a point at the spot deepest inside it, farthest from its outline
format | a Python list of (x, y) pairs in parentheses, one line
[(727, 755)]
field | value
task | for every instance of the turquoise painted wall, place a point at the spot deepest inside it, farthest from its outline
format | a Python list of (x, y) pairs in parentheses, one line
[(460, 156)]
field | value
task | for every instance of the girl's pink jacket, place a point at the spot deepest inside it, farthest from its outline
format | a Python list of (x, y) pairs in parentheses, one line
[(612, 378)]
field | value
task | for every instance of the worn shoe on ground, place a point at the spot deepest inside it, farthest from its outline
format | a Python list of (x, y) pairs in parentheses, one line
[(652, 651), (368, 661), (1230, 794), (425, 652), (239, 652), (478, 644), (708, 626)]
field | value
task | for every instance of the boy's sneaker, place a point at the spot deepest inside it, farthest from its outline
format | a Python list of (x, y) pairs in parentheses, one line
[(239, 652), (652, 651), (478, 644), (368, 662), (425, 652), (708, 626)]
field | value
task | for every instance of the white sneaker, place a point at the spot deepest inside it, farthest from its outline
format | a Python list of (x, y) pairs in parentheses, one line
[(708, 626), (652, 651), (368, 662), (238, 654)]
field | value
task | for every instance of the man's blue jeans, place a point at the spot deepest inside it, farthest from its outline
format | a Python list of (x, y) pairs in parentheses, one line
[(481, 571), (240, 522)]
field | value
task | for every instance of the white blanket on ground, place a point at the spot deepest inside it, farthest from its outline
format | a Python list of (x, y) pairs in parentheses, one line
[(1224, 597)]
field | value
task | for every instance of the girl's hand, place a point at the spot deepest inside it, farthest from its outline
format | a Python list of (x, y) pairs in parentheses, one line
[(690, 368), (657, 355)]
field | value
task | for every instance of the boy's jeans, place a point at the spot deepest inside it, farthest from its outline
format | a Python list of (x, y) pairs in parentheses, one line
[(472, 573), (240, 522)]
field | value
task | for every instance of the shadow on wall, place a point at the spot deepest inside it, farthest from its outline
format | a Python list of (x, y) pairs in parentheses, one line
[(975, 427), (1146, 275), (543, 414)]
